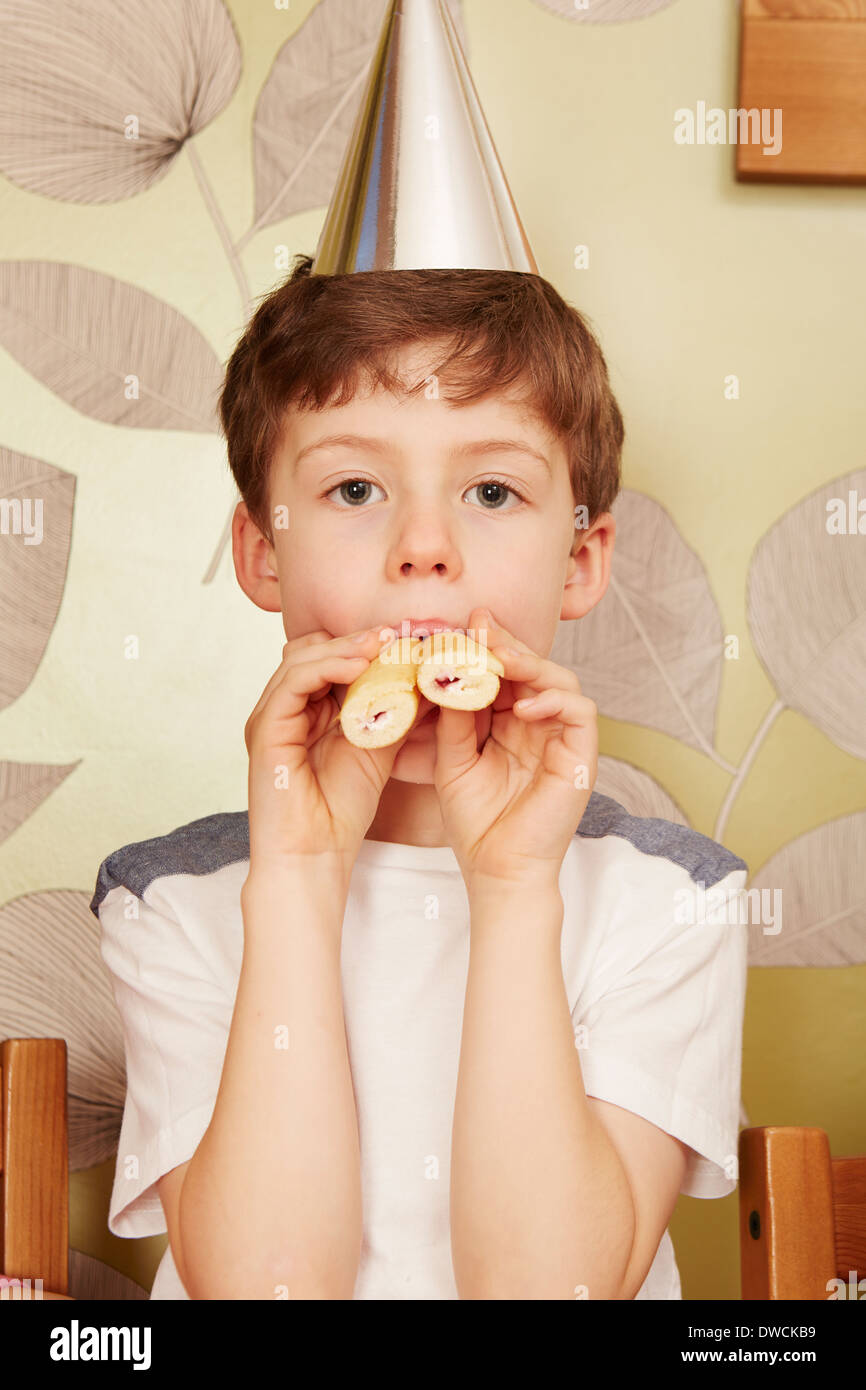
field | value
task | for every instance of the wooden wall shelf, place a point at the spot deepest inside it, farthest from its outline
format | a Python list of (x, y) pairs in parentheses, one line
[(807, 58)]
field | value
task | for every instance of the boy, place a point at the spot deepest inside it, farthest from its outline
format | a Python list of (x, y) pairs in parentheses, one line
[(425, 1022)]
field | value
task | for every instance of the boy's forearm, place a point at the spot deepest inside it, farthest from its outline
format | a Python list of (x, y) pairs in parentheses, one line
[(540, 1205), (271, 1202)]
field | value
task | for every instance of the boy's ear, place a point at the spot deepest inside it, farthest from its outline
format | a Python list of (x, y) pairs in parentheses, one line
[(255, 562), (589, 567)]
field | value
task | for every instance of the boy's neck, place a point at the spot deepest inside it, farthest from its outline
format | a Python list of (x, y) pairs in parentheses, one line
[(408, 814)]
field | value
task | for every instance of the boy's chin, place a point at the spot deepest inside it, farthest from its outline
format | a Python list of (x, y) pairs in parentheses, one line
[(416, 761)]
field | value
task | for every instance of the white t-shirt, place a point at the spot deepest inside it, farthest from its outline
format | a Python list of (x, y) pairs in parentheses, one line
[(654, 956)]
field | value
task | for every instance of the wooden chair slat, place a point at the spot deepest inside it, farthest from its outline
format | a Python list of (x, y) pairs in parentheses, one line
[(34, 1163), (802, 1214)]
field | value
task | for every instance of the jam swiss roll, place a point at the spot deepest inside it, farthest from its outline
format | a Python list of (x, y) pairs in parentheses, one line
[(449, 668), (457, 672), (380, 706)]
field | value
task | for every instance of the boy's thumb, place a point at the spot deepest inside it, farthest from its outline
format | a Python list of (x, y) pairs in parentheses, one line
[(456, 742)]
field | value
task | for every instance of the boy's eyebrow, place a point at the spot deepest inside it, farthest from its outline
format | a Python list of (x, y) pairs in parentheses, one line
[(383, 446)]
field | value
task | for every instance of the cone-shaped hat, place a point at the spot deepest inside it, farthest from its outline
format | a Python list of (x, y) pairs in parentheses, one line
[(421, 184)]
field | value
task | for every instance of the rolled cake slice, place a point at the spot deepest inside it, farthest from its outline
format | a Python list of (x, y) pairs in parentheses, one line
[(380, 706), (456, 671)]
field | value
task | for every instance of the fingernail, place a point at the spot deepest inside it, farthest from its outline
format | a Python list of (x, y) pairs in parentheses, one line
[(361, 636)]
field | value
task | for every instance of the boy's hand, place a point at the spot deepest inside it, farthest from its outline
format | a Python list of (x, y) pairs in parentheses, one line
[(511, 810), (312, 795)]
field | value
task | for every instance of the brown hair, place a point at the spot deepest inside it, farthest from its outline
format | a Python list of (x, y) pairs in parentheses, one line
[(312, 340)]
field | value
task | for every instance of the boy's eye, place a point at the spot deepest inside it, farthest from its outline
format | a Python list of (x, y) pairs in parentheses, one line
[(491, 490), (496, 486), (349, 488)]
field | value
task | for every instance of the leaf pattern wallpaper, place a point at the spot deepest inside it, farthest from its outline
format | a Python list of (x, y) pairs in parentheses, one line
[(730, 673)]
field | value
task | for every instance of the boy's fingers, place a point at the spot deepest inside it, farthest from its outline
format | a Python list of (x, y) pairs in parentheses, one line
[(536, 673), (319, 647), (300, 680), (295, 644), (308, 639), (338, 662), (495, 635)]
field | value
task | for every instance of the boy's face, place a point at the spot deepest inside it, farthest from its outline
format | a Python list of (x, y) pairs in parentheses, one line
[(417, 536)]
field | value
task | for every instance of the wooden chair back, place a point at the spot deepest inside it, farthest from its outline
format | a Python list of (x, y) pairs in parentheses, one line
[(802, 1216), (34, 1169)]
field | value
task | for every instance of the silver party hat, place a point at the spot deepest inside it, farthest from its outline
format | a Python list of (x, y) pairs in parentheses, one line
[(421, 185)]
